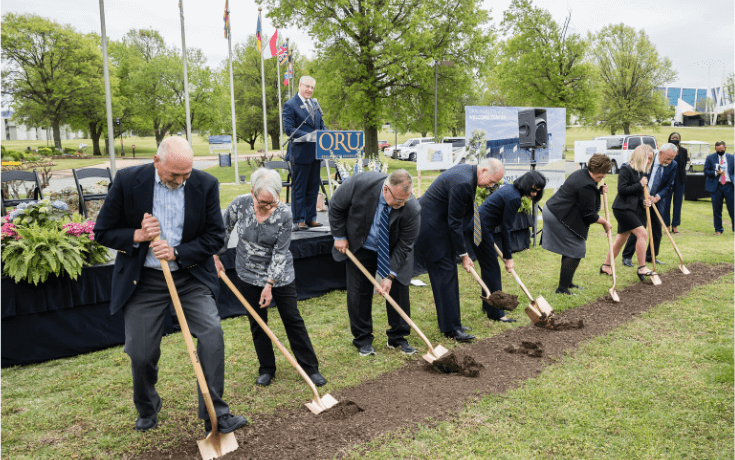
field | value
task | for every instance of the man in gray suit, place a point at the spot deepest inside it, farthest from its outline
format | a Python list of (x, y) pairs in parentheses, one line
[(376, 217)]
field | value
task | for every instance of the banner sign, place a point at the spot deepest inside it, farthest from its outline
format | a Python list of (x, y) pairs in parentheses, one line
[(339, 144), (433, 157), (223, 142)]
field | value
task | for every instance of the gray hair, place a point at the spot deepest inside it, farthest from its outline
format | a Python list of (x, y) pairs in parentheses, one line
[(266, 180), (493, 165), (669, 147), (400, 178), (177, 145), (304, 78)]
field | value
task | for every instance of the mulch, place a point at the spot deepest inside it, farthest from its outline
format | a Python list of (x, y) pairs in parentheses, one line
[(408, 396)]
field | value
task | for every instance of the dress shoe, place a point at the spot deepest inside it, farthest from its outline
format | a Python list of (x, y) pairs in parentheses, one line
[(366, 350), (563, 291), (718, 233), (404, 348), (674, 229), (318, 379), (313, 223), (150, 422), (459, 336), (575, 286), (505, 319), (303, 226), (226, 423), (627, 262), (264, 380)]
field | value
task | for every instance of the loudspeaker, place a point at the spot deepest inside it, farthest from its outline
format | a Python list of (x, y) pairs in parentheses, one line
[(532, 130)]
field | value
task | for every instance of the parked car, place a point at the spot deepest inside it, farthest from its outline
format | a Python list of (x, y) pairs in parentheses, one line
[(619, 148), (382, 145), (408, 151), (455, 141)]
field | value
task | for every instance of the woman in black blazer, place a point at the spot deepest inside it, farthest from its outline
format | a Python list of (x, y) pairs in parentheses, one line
[(628, 207)]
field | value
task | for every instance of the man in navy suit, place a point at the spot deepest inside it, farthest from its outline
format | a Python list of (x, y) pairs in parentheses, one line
[(660, 185), (446, 208), (718, 172), (306, 168), (170, 199)]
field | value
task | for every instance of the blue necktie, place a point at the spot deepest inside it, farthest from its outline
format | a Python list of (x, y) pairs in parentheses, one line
[(657, 179), (383, 244)]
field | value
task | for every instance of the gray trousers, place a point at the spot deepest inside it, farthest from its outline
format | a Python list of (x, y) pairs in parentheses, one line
[(144, 315)]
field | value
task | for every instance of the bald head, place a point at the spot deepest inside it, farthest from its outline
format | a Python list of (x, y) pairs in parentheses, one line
[(174, 161), (489, 172)]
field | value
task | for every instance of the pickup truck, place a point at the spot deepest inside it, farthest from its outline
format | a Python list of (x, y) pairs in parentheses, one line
[(617, 147)]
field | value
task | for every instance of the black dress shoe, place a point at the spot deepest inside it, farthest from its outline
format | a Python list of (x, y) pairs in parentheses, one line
[(627, 262), (313, 223), (148, 423), (575, 286), (264, 380), (563, 291), (226, 423), (318, 379), (459, 336)]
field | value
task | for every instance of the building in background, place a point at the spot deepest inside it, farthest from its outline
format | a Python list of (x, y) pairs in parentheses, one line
[(697, 106), (12, 131)]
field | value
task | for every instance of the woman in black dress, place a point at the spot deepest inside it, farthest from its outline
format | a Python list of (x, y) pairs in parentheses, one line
[(628, 207)]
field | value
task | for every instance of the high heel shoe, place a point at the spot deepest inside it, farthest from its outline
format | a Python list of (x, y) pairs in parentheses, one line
[(603, 272), (642, 276)]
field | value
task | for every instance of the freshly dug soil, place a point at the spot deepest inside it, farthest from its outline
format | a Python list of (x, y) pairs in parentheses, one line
[(401, 399), (451, 363), (341, 411), (500, 299)]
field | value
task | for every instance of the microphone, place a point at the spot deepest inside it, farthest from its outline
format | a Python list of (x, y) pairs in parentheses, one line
[(318, 107)]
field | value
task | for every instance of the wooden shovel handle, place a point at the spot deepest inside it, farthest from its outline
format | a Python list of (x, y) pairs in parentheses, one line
[(650, 231), (390, 300), (515, 275), (480, 282), (609, 235), (270, 334), (666, 229), (203, 387)]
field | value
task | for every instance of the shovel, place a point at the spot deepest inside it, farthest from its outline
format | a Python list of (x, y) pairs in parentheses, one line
[(612, 292), (486, 297), (539, 310), (434, 352), (681, 259), (317, 404), (216, 444), (654, 278)]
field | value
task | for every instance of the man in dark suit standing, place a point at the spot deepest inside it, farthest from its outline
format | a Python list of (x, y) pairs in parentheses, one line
[(660, 186), (170, 199), (302, 155), (446, 208), (376, 217), (718, 172)]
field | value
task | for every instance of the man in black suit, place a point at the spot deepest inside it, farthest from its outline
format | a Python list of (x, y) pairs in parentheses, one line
[(719, 172), (660, 186), (306, 168), (181, 204), (446, 208), (376, 217)]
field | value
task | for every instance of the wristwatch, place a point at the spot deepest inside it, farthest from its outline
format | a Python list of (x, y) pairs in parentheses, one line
[(176, 254), (391, 277)]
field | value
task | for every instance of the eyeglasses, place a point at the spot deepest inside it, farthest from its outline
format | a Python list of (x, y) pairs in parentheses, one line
[(396, 199), (266, 204)]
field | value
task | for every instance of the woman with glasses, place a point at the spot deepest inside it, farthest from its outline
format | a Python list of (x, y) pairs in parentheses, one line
[(265, 271), (499, 211)]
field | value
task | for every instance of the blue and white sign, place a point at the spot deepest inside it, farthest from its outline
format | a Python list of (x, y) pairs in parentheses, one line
[(339, 144), (223, 142)]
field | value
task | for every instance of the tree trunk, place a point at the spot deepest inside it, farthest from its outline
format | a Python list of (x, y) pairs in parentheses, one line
[(626, 128), (57, 134), (371, 142), (423, 133), (275, 143), (94, 134)]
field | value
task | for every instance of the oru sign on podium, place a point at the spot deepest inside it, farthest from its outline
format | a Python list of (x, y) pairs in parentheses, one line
[(339, 144)]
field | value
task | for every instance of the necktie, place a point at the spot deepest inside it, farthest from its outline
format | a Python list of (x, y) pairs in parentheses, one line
[(383, 244), (657, 179), (309, 107), (477, 228), (722, 176)]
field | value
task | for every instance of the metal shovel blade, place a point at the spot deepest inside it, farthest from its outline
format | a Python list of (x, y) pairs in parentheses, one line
[(439, 351), (534, 314), (216, 445), (318, 406), (543, 307), (656, 280), (683, 269), (614, 295)]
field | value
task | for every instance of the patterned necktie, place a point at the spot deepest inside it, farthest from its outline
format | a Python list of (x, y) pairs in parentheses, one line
[(477, 228), (657, 179), (722, 176), (383, 244)]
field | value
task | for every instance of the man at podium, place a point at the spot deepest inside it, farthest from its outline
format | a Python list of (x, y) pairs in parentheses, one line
[(301, 116)]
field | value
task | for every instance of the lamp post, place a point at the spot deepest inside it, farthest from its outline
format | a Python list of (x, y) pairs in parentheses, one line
[(436, 96)]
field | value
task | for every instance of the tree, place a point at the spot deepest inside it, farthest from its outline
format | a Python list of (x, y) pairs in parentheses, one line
[(48, 69), (541, 64), (372, 51), (630, 68)]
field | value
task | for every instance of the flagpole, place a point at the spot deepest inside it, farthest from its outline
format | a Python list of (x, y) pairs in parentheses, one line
[(262, 78), (108, 93), (232, 104), (186, 78), (278, 84)]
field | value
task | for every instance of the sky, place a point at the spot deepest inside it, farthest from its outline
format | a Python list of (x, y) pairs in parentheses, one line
[(698, 37)]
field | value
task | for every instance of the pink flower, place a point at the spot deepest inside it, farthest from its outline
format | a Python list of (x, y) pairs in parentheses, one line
[(8, 230)]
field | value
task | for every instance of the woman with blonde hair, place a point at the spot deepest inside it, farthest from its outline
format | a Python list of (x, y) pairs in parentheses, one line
[(629, 206)]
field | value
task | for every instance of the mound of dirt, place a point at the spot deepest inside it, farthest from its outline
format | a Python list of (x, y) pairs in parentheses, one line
[(341, 410), (556, 323), (533, 349), (500, 299), (451, 363)]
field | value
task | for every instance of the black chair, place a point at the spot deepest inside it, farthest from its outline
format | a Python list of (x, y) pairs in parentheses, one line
[(10, 176), (84, 174), (285, 165)]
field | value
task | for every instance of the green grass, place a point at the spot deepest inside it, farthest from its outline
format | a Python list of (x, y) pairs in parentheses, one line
[(660, 387)]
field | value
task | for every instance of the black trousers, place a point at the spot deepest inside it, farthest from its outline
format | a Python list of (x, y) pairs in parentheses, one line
[(360, 302), (298, 337), (490, 273), (629, 248)]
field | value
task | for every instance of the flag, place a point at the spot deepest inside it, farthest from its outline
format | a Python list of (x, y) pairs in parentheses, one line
[(289, 73), (272, 48), (282, 53), (257, 35), (227, 18)]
